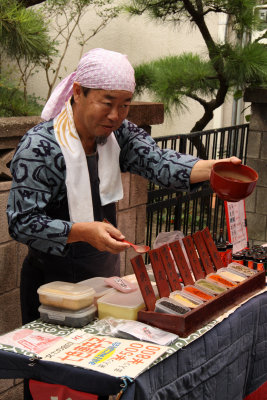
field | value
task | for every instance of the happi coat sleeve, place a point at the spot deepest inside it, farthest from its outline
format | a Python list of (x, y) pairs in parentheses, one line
[(141, 155)]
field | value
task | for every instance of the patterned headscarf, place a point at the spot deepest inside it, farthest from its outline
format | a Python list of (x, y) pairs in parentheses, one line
[(97, 69)]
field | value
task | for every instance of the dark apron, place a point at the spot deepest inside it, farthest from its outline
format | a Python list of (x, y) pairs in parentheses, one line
[(82, 261)]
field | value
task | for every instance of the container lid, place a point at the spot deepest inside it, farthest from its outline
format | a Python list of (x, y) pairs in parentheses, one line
[(55, 311), (98, 284), (126, 300), (65, 289)]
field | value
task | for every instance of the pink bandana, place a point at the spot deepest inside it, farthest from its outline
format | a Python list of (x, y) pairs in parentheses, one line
[(97, 69)]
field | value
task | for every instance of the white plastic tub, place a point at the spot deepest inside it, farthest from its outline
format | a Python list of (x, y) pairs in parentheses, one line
[(71, 296)]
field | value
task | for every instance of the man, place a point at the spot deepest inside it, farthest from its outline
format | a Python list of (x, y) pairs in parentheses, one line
[(66, 176)]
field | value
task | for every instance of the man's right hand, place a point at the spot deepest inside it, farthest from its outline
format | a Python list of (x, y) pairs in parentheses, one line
[(101, 235)]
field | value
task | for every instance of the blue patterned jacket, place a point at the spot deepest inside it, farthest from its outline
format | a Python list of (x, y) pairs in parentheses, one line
[(38, 191)]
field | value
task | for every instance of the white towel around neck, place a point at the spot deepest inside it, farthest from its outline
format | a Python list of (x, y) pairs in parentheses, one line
[(77, 173)]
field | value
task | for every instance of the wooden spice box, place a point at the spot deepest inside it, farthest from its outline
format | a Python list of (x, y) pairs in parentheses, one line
[(199, 246)]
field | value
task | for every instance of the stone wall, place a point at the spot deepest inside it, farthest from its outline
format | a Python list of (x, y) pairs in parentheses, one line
[(131, 221), (256, 204)]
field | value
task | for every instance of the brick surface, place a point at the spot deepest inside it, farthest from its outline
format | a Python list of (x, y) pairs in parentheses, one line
[(8, 267), (4, 235), (15, 393), (138, 190), (5, 384), (126, 181), (145, 113), (140, 224), (127, 223), (10, 316)]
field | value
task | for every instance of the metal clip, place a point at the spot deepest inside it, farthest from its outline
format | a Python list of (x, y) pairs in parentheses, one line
[(124, 386), (33, 360)]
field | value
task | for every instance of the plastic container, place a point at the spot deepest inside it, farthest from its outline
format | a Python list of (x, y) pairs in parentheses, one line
[(241, 269), (210, 287), (220, 280), (233, 276), (59, 316), (71, 296), (98, 284), (169, 306), (120, 305), (197, 293), (185, 299)]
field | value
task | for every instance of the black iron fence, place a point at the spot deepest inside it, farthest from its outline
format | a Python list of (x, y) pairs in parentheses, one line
[(168, 210)]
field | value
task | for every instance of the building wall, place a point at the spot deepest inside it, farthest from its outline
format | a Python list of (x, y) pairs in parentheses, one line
[(143, 40)]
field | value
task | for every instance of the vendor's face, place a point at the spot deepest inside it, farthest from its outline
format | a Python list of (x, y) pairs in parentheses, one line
[(99, 112)]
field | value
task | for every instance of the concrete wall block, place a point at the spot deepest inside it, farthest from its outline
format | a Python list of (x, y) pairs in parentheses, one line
[(258, 119), (256, 226), (10, 316), (254, 144), (263, 153), (8, 267), (126, 183), (250, 201), (140, 224), (138, 190), (261, 207), (4, 235), (15, 393), (261, 167), (127, 224)]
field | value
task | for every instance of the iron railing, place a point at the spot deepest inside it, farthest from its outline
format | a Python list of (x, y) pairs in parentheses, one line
[(168, 210)]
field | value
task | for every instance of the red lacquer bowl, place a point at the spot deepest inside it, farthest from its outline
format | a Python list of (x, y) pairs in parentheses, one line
[(232, 182)]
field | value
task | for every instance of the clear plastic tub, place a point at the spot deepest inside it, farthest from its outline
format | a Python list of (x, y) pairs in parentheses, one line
[(120, 305), (210, 287), (214, 277), (198, 293), (169, 306), (185, 299), (71, 296), (236, 267), (59, 316), (230, 274), (98, 284)]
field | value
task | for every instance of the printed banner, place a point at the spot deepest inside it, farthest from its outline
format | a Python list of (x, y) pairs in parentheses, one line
[(113, 356)]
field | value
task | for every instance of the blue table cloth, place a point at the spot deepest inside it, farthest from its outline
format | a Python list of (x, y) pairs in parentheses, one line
[(227, 363)]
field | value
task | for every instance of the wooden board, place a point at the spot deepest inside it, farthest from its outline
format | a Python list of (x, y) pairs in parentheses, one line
[(181, 262), (203, 252), (217, 261), (184, 325), (144, 282), (193, 258), (159, 273), (169, 266)]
